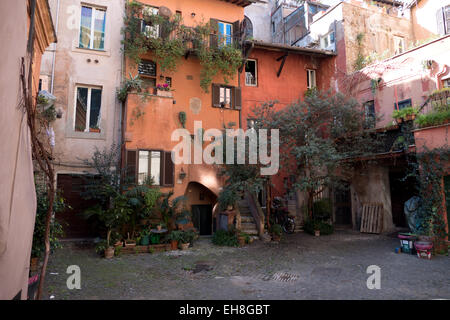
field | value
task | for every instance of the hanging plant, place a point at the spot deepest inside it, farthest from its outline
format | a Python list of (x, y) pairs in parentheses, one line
[(182, 117)]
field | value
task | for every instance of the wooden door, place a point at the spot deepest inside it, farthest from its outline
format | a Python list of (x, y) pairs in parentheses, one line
[(74, 225)]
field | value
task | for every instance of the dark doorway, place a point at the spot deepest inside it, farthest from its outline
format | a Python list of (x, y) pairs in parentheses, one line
[(401, 191), (202, 219), (343, 205), (74, 225)]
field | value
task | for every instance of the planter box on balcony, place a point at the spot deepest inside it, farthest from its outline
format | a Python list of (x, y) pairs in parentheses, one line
[(162, 93)]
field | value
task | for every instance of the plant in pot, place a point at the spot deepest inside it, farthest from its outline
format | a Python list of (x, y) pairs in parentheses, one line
[(276, 231), (187, 237), (169, 209), (144, 237), (174, 237), (317, 225), (243, 238)]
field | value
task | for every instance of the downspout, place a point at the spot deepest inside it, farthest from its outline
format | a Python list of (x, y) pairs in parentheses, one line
[(54, 48)]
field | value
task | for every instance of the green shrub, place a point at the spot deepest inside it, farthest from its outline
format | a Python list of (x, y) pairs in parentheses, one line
[(225, 238), (322, 209), (311, 225), (433, 118), (276, 229)]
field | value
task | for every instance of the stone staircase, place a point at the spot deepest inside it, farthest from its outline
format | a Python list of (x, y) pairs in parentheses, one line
[(248, 224)]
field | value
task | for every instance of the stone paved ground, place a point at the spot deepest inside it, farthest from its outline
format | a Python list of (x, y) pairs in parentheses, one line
[(300, 267)]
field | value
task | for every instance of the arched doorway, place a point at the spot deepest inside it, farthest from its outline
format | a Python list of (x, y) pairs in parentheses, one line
[(201, 201)]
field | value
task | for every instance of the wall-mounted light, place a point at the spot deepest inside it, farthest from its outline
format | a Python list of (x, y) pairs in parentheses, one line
[(193, 14), (182, 174), (161, 77)]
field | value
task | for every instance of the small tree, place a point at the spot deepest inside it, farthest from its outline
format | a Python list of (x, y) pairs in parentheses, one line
[(319, 138)]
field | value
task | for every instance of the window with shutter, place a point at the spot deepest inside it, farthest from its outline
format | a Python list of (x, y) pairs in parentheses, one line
[(447, 19), (131, 165), (213, 41), (169, 172), (237, 94), (215, 95), (440, 21)]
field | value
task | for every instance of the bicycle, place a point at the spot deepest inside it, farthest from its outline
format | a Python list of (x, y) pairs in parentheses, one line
[(281, 216)]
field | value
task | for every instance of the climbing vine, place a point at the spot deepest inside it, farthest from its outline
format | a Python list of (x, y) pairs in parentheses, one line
[(169, 40), (428, 170)]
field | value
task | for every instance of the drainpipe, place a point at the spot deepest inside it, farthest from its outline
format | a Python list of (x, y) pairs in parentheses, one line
[(54, 48)]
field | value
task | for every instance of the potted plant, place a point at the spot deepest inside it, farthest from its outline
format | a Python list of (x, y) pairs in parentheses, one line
[(129, 243), (276, 231), (94, 129), (145, 237), (174, 238), (163, 90), (242, 238), (187, 237)]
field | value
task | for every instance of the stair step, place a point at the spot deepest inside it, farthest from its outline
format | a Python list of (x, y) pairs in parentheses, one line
[(250, 231), (248, 225), (248, 219)]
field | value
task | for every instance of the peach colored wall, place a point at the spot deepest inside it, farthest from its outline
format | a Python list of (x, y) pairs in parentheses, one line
[(288, 88), (154, 129), (433, 137), (17, 191)]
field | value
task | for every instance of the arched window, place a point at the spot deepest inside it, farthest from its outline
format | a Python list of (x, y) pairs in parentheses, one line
[(248, 28)]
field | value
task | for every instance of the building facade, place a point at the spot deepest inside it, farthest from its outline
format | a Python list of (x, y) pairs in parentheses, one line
[(17, 191)]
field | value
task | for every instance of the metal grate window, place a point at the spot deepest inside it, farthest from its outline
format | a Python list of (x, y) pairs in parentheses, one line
[(147, 68)]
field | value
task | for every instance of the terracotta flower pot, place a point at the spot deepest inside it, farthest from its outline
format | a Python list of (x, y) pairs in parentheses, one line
[(174, 245), (317, 233), (241, 241), (276, 237), (184, 246), (109, 253), (34, 264), (158, 227)]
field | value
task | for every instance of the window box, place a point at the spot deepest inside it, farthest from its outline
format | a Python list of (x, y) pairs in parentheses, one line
[(164, 93), (94, 130)]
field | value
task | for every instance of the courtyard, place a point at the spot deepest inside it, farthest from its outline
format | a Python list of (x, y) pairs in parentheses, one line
[(299, 267)]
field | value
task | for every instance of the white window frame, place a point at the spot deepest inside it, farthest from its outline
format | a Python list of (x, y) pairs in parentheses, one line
[(149, 166), (91, 40), (397, 41), (227, 97), (88, 107), (311, 75), (151, 31), (256, 74), (223, 42)]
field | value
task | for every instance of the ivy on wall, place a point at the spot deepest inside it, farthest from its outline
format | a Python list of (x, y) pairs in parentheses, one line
[(169, 40)]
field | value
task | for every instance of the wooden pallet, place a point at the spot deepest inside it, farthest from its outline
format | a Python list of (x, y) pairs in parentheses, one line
[(372, 218)]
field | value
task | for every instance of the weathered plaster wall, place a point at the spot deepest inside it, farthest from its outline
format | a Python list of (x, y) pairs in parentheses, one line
[(378, 28), (259, 14), (424, 18), (371, 185), (404, 77), (72, 68)]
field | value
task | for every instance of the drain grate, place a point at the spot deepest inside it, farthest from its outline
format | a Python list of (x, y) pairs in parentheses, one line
[(281, 277)]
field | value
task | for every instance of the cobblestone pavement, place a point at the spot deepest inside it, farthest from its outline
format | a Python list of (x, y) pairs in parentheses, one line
[(300, 267)]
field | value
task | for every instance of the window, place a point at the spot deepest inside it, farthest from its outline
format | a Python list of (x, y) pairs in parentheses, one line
[(369, 114), (225, 33), (403, 104), (251, 73), (149, 166), (157, 164), (248, 28), (311, 78), (146, 28), (92, 28), (326, 40), (147, 72), (226, 96), (87, 109), (447, 83), (443, 20), (399, 45), (273, 27)]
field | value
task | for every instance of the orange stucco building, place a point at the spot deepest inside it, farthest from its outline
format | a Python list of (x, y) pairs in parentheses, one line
[(148, 125), (281, 73)]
